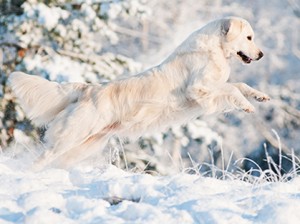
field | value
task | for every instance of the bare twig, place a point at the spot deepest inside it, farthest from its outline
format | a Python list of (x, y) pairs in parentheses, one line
[(140, 34)]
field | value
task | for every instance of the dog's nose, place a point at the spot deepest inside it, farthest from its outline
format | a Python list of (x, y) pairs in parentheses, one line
[(260, 55)]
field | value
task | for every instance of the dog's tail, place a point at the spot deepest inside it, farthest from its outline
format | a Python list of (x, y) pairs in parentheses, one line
[(41, 99)]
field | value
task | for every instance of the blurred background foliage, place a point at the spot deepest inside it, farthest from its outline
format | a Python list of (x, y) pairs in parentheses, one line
[(101, 40)]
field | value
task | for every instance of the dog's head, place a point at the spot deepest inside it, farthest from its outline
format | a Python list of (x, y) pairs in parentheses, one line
[(238, 40)]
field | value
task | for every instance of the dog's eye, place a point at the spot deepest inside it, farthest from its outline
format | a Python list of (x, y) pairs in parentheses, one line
[(249, 38)]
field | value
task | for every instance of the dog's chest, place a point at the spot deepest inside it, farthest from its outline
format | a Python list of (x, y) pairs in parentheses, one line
[(216, 71)]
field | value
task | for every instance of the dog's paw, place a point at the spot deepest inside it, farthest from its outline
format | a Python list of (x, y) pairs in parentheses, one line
[(249, 109), (262, 97)]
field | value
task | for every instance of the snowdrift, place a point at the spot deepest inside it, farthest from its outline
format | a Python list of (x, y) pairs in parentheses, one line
[(110, 195)]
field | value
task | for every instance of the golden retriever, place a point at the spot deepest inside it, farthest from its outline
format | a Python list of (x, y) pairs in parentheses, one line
[(191, 82)]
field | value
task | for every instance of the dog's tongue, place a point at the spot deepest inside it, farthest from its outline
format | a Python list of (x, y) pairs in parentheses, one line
[(248, 60)]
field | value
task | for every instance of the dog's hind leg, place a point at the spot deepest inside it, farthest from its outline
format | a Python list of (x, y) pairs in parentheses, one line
[(46, 158), (77, 154), (92, 145), (66, 158)]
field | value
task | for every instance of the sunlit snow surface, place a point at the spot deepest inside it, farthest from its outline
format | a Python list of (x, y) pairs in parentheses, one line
[(111, 195)]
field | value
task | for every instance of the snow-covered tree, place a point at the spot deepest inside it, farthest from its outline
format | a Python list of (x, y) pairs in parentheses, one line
[(61, 41)]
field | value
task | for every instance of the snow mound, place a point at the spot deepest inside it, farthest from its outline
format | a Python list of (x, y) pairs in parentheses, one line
[(111, 195)]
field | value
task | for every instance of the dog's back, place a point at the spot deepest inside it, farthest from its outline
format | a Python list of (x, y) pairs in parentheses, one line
[(41, 99)]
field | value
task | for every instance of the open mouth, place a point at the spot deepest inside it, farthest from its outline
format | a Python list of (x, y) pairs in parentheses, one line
[(244, 57)]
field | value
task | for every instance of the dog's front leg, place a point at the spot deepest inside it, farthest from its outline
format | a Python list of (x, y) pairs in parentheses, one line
[(234, 98), (219, 97), (250, 92)]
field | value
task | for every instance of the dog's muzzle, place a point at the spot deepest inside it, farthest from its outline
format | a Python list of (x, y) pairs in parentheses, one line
[(247, 59)]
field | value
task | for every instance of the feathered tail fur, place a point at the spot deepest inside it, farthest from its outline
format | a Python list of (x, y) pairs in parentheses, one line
[(41, 99)]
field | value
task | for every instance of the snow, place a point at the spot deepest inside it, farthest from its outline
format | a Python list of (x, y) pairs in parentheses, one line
[(47, 17), (111, 195)]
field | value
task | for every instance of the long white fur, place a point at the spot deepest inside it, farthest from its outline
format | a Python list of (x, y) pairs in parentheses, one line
[(192, 81)]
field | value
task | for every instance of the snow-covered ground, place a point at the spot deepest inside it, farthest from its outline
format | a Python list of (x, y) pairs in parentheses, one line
[(111, 195)]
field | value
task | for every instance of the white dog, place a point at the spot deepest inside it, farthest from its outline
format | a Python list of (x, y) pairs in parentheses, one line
[(191, 82)]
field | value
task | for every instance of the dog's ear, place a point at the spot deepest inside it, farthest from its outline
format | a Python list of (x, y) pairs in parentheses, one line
[(231, 28)]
